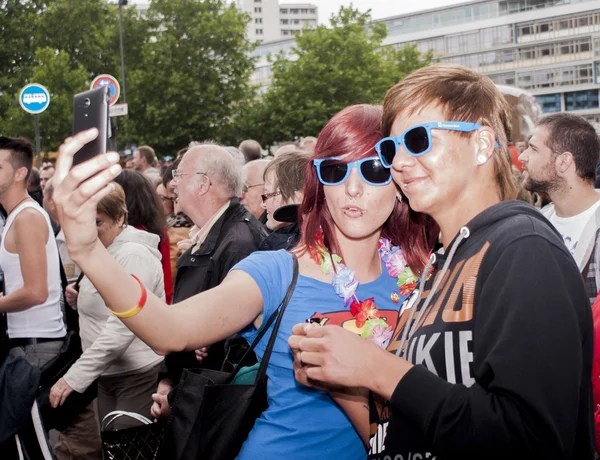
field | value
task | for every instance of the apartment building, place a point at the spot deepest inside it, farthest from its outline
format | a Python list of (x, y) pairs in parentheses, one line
[(273, 21)]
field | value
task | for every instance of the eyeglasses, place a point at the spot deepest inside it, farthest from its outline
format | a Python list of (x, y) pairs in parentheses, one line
[(266, 196), (246, 187), (332, 171), (177, 174), (417, 140)]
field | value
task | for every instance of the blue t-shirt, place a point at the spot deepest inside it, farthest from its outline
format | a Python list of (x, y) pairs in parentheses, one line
[(302, 422)]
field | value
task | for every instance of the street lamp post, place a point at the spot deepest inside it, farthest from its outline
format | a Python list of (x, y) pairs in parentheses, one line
[(122, 3)]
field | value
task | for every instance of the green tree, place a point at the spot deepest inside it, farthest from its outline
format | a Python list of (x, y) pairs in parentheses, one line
[(194, 73), (53, 70), (333, 67), (82, 29), (17, 52), (55, 43)]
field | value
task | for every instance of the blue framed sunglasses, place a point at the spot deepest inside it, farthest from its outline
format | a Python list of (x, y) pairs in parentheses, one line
[(417, 139), (333, 171)]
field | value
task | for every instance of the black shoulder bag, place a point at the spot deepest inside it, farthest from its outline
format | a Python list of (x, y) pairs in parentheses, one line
[(211, 416)]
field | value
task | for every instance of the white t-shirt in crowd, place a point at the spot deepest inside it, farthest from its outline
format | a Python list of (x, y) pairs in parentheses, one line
[(572, 227)]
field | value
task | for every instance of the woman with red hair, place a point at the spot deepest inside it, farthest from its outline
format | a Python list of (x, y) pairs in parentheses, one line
[(360, 252)]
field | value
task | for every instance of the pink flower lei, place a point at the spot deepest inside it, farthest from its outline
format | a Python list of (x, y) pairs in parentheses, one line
[(365, 312)]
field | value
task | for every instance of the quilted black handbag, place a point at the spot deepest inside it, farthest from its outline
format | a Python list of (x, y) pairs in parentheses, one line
[(135, 443)]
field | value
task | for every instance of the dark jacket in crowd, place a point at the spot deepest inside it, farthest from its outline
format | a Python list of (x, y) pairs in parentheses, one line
[(233, 237), (38, 195), (19, 382), (502, 351), (263, 219), (283, 238)]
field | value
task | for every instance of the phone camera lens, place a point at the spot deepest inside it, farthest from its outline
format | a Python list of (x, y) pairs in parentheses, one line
[(87, 102)]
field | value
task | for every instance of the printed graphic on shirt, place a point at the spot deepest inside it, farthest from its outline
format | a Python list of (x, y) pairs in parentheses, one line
[(570, 243), (345, 319), (439, 338)]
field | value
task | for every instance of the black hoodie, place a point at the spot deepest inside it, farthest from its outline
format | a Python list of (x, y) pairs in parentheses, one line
[(502, 346)]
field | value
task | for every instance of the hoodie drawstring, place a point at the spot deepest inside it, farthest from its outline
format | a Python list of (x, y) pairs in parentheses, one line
[(406, 336)]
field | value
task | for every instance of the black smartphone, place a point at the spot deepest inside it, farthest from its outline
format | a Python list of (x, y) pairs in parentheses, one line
[(90, 110)]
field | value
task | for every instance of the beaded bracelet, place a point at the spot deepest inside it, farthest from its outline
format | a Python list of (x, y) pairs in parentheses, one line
[(135, 310)]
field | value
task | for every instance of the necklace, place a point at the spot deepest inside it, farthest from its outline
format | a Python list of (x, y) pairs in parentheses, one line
[(365, 312), (17, 205)]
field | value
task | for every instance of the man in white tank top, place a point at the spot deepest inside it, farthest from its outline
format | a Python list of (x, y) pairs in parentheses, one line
[(29, 259)]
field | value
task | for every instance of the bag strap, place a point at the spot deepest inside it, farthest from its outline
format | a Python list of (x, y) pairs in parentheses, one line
[(278, 313), (112, 416)]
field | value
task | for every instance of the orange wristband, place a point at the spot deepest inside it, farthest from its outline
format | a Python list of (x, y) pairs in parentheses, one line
[(135, 310)]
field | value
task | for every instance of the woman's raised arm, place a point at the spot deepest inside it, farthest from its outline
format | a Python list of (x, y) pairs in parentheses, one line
[(198, 321)]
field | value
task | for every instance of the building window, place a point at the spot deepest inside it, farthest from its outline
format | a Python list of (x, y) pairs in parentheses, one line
[(294, 10), (561, 23), (257, 1), (283, 11), (257, 20), (259, 31), (583, 21), (582, 100), (285, 32), (549, 102), (546, 50), (545, 27), (296, 21), (284, 21), (503, 78), (258, 9), (313, 11)]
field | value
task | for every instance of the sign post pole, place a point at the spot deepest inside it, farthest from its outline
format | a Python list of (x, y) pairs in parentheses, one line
[(37, 140)]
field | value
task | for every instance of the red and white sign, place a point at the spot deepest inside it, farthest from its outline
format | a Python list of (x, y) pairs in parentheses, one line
[(114, 90)]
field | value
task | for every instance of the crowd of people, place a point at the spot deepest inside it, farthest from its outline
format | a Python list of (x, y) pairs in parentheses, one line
[(444, 308)]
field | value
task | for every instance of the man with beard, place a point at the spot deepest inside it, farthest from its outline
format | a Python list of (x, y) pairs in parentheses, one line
[(561, 161)]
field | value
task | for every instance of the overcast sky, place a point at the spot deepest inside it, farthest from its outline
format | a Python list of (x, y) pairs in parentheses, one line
[(379, 8)]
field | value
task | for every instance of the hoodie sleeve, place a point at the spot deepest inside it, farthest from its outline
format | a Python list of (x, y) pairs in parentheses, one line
[(532, 354)]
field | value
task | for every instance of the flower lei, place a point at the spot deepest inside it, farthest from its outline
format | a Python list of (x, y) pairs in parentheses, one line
[(365, 312)]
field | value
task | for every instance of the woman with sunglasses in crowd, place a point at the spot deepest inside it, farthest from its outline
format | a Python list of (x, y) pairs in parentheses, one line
[(491, 357), (359, 254)]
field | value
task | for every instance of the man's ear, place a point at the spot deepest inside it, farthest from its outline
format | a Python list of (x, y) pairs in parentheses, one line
[(21, 174), (563, 162)]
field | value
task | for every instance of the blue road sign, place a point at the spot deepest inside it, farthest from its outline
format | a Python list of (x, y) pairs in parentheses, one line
[(34, 98)]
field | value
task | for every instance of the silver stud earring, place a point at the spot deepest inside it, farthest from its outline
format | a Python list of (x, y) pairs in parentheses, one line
[(481, 159), (399, 198)]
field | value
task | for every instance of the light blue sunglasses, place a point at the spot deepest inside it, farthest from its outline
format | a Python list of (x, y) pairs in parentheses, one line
[(333, 171), (417, 139)]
